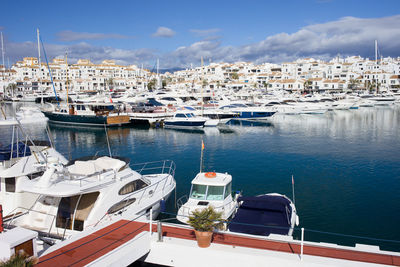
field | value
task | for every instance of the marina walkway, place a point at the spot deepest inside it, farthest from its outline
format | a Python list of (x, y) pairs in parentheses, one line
[(95, 247)]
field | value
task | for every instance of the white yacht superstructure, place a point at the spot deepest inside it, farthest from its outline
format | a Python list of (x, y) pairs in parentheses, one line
[(91, 192)]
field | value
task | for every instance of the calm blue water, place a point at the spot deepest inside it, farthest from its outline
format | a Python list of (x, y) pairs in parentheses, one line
[(346, 164)]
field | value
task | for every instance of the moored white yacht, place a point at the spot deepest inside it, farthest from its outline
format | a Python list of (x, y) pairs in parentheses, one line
[(184, 120), (247, 112), (89, 192), (209, 189)]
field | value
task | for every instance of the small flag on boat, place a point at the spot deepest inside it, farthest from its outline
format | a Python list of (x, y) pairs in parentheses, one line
[(202, 145)]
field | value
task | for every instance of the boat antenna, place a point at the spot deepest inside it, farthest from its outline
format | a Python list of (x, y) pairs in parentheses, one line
[(108, 142), (294, 200), (201, 155)]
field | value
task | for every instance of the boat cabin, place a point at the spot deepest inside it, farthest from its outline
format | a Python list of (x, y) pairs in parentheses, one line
[(208, 189), (211, 186), (184, 115)]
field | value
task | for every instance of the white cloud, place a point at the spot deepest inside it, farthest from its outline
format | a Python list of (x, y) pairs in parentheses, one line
[(16, 51), (205, 32), (164, 32), (347, 36), (70, 36)]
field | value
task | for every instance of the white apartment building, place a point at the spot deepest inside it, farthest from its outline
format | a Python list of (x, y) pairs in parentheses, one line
[(340, 74)]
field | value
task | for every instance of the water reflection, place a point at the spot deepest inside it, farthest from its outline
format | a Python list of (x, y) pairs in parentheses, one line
[(346, 163)]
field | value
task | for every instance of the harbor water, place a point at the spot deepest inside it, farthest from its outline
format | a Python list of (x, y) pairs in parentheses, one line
[(345, 164)]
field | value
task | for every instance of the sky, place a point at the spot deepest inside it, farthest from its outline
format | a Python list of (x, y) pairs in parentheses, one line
[(179, 33)]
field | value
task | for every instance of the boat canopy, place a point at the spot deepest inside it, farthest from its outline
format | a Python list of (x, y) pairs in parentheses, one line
[(262, 215)]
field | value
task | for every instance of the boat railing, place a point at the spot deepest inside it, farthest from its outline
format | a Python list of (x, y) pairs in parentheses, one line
[(165, 166), (186, 209), (181, 201), (27, 211), (297, 235), (97, 175)]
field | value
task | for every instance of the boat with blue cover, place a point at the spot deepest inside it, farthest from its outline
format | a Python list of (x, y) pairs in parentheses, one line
[(264, 215)]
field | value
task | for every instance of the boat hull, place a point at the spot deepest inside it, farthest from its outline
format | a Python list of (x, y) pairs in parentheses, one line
[(184, 124), (87, 120), (255, 115)]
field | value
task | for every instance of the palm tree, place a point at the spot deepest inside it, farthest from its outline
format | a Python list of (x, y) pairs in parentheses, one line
[(307, 85), (110, 83), (353, 84), (11, 87), (234, 76)]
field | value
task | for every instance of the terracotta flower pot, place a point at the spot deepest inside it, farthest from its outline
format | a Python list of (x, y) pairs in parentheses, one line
[(203, 238)]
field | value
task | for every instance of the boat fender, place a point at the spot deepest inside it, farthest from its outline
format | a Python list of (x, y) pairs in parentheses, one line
[(163, 205), (210, 174), (75, 113)]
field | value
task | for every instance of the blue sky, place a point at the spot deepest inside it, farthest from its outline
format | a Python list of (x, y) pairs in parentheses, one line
[(180, 32)]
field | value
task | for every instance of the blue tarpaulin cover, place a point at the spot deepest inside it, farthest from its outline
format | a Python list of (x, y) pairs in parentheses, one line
[(262, 215), (19, 150)]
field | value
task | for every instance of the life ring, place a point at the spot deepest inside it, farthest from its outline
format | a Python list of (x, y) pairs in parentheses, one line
[(210, 174)]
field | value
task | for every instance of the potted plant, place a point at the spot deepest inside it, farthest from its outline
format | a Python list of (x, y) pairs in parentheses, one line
[(204, 221)]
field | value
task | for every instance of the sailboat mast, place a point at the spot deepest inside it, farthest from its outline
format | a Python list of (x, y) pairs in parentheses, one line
[(376, 64), (39, 64), (2, 54), (67, 82), (2, 48), (202, 82)]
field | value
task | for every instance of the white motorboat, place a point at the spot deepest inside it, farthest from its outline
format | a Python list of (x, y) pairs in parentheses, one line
[(184, 120), (26, 115), (208, 189), (247, 112), (90, 192)]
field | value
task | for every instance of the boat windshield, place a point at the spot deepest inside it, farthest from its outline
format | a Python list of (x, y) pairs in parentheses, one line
[(198, 191), (215, 193), (204, 192)]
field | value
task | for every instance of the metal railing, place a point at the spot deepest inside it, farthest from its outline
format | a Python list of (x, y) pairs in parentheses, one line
[(298, 236), (166, 166), (27, 211)]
